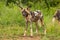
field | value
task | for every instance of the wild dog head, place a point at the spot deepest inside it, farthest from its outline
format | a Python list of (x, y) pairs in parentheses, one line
[(25, 11), (56, 15)]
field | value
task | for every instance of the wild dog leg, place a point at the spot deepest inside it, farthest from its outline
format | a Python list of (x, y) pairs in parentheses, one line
[(41, 20), (53, 20), (26, 28), (37, 27), (43, 27), (31, 29)]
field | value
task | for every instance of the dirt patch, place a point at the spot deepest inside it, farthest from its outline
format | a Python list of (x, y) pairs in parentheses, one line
[(22, 38)]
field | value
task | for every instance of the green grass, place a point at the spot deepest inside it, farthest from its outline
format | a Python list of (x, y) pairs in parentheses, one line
[(12, 23)]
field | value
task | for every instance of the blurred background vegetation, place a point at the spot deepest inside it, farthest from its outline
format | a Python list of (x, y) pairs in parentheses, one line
[(10, 12), (12, 22)]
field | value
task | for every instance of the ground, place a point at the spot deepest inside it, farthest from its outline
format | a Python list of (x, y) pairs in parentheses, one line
[(22, 38)]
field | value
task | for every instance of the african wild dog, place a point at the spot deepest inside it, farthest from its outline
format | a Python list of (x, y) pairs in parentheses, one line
[(57, 16), (30, 17)]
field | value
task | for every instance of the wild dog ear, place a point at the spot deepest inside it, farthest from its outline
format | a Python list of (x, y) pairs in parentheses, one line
[(28, 8), (21, 7)]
